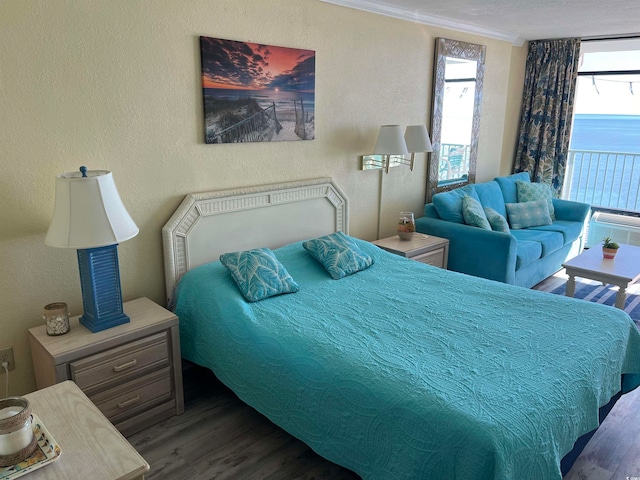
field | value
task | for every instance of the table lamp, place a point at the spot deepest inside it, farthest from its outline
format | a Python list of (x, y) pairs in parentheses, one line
[(90, 217)]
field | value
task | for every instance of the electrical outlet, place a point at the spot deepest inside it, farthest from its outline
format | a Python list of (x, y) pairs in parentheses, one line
[(6, 355)]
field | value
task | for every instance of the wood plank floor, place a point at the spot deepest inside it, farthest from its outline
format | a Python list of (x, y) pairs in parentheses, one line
[(219, 437)]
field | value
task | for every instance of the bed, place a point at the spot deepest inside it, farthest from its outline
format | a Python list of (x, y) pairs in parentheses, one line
[(401, 370)]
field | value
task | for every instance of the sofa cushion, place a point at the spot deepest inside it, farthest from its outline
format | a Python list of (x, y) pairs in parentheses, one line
[(549, 241), (527, 252), (528, 192), (498, 222), (430, 211), (508, 185), (449, 204), (490, 196), (528, 214), (473, 213), (569, 230)]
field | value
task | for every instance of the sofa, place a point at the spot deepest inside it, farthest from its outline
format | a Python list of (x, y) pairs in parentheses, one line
[(517, 246)]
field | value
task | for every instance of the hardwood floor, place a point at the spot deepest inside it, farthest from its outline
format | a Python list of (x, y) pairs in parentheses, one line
[(219, 437)]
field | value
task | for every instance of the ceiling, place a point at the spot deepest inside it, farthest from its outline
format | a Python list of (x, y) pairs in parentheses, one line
[(515, 20)]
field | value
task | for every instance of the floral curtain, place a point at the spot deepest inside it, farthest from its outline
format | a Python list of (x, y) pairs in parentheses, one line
[(547, 110)]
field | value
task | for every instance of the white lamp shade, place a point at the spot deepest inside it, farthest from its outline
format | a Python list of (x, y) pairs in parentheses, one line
[(390, 141), (88, 212), (417, 139)]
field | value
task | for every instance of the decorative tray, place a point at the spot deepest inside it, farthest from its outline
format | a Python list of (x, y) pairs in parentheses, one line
[(46, 452)]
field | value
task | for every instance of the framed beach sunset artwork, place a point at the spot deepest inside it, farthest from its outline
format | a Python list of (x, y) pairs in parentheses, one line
[(257, 93)]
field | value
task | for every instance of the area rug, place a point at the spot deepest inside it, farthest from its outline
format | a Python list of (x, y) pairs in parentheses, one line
[(606, 294)]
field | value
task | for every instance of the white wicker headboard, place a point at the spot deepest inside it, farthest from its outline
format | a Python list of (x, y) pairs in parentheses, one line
[(208, 224)]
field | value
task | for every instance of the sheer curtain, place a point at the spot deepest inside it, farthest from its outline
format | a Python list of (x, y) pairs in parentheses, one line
[(547, 110)]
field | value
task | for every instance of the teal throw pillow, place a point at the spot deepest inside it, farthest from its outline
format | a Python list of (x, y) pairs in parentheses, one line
[(528, 214), (338, 254), (258, 274), (529, 192), (508, 185), (498, 222), (473, 213)]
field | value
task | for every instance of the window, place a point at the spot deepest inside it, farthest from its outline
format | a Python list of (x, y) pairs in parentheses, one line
[(603, 167)]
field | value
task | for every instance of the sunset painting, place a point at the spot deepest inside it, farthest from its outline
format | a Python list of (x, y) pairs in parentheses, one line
[(257, 93)]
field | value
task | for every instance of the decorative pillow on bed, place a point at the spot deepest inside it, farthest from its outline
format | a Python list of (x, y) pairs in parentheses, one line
[(339, 255), (473, 213), (258, 274), (498, 222), (528, 214), (528, 192)]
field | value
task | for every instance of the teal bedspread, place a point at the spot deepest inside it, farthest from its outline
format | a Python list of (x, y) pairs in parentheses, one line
[(407, 371)]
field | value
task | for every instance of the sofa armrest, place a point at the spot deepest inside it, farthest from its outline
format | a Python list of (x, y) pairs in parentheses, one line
[(571, 211), (473, 250)]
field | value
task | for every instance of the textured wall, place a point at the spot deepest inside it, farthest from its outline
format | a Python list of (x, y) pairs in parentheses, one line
[(115, 85)]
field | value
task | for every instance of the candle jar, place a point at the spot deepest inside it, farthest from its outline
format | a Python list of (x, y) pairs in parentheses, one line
[(17, 441), (406, 226), (56, 317)]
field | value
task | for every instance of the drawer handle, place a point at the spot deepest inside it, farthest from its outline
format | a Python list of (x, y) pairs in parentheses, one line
[(124, 366), (131, 401)]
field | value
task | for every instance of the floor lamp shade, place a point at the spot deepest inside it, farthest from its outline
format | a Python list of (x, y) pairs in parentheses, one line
[(90, 217)]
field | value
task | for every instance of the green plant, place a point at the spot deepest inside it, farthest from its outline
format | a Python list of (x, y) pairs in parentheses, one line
[(608, 243)]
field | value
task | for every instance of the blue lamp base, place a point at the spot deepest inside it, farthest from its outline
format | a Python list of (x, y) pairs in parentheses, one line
[(101, 292)]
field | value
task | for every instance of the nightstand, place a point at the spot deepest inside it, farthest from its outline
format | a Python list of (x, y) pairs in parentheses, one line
[(131, 372), (90, 447), (421, 248)]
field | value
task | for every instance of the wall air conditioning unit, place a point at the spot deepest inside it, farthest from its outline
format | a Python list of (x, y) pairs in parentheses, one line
[(621, 228)]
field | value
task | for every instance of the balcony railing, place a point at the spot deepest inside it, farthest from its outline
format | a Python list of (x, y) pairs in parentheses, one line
[(454, 161), (609, 180)]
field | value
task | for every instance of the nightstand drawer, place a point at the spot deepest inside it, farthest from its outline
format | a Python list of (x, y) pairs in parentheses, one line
[(129, 398), (435, 258), (118, 364)]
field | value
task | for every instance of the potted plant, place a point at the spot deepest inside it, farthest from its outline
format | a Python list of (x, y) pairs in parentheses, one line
[(609, 247)]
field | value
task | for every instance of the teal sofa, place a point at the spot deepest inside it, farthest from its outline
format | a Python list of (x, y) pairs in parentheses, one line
[(522, 257)]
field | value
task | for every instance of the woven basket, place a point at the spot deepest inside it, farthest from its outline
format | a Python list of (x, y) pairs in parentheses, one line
[(13, 424)]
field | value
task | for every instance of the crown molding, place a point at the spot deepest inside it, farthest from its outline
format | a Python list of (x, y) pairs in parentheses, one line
[(433, 20)]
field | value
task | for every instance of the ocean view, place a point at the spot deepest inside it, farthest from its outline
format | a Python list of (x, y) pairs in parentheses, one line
[(609, 133), (611, 181)]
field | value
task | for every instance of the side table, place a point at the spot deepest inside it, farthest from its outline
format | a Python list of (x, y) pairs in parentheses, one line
[(421, 248), (131, 372), (90, 446)]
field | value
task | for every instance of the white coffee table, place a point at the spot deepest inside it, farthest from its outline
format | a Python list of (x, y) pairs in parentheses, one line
[(621, 271)]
